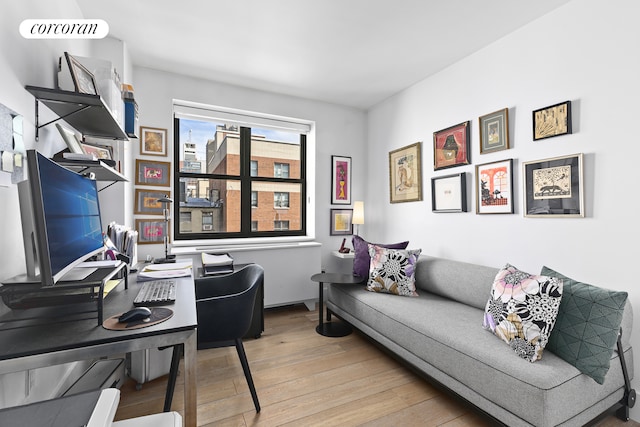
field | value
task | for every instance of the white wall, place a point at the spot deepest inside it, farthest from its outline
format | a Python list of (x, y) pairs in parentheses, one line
[(338, 131), (29, 62), (586, 52)]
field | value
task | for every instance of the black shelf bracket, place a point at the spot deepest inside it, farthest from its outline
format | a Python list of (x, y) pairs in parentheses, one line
[(38, 125)]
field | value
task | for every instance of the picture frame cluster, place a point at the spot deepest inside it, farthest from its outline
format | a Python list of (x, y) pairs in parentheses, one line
[(153, 182), (552, 187)]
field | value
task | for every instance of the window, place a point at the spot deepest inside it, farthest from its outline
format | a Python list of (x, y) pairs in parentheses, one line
[(185, 221), (281, 225), (207, 221), (226, 173), (281, 170), (281, 199)]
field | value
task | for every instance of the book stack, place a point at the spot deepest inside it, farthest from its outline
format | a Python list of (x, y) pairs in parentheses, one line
[(216, 264)]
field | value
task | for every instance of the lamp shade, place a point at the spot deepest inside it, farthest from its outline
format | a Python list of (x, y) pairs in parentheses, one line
[(358, 213)]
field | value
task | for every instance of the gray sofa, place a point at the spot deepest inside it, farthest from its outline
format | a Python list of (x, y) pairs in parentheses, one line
[(440, 334)]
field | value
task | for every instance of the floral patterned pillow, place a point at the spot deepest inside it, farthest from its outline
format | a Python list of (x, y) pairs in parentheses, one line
[(522, 310), (392, 270)]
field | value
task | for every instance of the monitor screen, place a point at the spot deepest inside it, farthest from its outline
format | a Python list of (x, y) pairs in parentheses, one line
[(61, 219)]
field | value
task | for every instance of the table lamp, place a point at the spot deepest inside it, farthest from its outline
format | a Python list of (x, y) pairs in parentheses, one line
[(358, 214), (166, 201)]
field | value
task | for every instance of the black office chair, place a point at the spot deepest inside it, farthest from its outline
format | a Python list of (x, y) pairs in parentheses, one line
[(225, 309)]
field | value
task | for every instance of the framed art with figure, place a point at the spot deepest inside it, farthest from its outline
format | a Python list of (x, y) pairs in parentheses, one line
[(340, 180), (146, 202), (494, 131), (553, 187), (153, 141), (405, 174), (451, 146), (494, 187), (153, 173), (151, 231)]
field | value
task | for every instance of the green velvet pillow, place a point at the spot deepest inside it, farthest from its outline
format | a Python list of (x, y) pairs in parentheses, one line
[(587, 326)]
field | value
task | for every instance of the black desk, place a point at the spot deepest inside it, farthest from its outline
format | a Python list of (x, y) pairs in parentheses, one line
[(52, 344), (332, 329)]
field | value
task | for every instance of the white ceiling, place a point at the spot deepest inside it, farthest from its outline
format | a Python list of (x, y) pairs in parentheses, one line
[(349, 52)]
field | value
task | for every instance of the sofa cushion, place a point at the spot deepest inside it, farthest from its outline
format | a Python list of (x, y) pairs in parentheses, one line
[(587, 327), (522, 310), (361, 259), (392, 270)]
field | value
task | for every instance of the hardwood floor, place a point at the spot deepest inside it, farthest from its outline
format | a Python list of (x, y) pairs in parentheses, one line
[(305, 379)]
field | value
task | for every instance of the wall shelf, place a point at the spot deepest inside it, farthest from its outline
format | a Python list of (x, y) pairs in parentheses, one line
[(101, 171), (88, 114)]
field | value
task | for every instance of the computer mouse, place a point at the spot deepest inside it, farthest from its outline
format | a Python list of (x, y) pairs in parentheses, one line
[(138, 313)]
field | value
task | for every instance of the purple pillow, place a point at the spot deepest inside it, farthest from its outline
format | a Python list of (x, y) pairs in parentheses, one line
[(362, 259)]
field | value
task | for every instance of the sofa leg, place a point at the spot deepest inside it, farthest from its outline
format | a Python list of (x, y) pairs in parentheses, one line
[(623, 413)]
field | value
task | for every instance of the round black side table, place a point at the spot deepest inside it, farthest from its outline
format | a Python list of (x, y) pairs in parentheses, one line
[(332, 329)]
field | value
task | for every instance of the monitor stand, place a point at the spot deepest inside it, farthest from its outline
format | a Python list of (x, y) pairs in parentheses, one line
[(78, 274)]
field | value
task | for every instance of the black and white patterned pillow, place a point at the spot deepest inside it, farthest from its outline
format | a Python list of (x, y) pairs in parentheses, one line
[(392, 270)]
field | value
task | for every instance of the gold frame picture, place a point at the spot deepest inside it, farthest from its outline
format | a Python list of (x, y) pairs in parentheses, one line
[(405, 174)]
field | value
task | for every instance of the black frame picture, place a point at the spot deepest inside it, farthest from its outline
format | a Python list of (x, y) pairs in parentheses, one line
[(449, 193), (494, 187), (553, 187), (551, 121), (341, 222)]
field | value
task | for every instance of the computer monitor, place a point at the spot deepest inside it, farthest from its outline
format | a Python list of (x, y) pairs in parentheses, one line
[(61, 221)]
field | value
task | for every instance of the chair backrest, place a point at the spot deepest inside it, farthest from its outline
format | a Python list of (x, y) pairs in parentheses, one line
[(225, 304)]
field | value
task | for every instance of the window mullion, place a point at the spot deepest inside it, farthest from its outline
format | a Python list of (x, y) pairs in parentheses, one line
[(245, 180)]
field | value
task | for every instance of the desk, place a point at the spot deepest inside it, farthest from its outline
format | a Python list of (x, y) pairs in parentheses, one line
[(52, 344)]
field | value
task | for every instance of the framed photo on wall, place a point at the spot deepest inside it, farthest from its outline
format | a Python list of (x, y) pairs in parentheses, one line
[(449, 193), (494, 187), (146, 202), (551, 121), (451, 146), (405, 174), (341, 222), (151, 231), (150, 172), (494, 131), (340, 180), (153, 141), (553, 187)]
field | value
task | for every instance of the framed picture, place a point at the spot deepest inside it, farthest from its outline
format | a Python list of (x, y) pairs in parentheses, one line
[(494, 187), (151, 231), (494, 131), (552, 121), (405, 174), (147, 202), (100, 152), (341, 222), (451, 146), (153, 173), (553, 187), (70, 138), (83, 79), (340, 180), (153, 141), (449, 193)]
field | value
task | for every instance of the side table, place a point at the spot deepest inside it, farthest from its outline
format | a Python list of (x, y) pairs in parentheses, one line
[(332, 329)]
